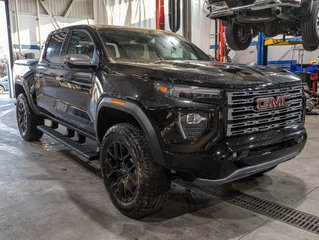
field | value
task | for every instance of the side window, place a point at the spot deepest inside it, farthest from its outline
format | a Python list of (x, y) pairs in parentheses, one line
[(81, 43), (54, 48)]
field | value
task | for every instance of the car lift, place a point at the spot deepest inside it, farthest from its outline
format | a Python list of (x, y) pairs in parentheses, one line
[(264, 43)]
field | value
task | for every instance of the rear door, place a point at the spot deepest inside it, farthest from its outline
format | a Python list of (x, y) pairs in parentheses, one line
[(47, 73), (75, 102)]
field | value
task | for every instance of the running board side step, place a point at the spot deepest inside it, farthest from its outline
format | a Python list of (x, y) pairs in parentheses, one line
[(80, 149)]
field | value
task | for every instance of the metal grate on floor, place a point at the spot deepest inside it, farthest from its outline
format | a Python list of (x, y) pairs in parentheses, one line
[(270, 209)]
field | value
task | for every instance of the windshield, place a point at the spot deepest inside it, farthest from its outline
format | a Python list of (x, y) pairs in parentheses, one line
[(131, 45)]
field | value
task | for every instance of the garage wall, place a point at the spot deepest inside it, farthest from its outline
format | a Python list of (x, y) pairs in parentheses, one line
[(67, 8), (4, 48), (137, 13), (134, 13), (275, 53), (141, 13), (53, 14)]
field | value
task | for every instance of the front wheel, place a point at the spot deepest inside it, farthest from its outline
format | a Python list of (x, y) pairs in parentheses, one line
[(310, 28), (237, 36), (28, 120), (1, 89), (136, 184)]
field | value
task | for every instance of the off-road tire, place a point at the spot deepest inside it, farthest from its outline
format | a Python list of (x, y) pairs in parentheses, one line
[(233, 38), (1, 89), (309, 28), (152, 183), (28, 125)]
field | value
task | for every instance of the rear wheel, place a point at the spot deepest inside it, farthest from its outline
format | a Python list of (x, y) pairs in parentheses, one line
[(1, 89), (27, 120), (137, 185), (237, 37), (310, 28)]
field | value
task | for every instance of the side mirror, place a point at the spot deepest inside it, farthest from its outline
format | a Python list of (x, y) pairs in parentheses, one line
[(79, 61)]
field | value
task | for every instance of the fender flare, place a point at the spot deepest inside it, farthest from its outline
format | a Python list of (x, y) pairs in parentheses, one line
[(24, 85), (139, 115)]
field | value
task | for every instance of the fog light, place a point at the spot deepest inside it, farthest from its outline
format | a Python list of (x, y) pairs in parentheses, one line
[(194, 118), (192, 125)]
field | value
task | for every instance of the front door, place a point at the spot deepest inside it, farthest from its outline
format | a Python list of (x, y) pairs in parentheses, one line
[(75, 103)]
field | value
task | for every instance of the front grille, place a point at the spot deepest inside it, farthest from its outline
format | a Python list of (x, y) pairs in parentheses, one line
[(245, 118)]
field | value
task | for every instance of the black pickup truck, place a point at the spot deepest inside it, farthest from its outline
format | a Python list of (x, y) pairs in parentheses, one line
[(158, 107)]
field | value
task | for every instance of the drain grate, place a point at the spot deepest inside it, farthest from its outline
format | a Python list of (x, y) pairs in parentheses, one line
[(270, 209)]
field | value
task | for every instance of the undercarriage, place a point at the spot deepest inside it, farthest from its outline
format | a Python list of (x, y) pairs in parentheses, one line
[(246, 18)]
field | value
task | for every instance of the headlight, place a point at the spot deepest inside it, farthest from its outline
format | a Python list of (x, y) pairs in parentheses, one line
[(189, 92)]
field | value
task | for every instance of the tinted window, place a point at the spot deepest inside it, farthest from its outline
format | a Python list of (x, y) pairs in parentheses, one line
[(148, 46), (54, 47), (81, 43)]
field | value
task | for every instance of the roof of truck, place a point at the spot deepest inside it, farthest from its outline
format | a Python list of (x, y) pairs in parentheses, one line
[(98, 26)]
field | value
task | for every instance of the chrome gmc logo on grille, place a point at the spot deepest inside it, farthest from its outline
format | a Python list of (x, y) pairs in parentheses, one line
[(272, 102)]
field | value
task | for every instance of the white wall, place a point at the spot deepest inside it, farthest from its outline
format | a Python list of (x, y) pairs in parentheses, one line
[(141, 13), (4, 48), (29, 37)]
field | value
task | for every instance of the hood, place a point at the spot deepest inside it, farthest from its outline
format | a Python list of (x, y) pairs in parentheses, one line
[(210, 74)]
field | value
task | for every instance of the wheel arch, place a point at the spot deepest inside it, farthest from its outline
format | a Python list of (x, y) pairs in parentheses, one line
[(131, 113), (21, 87)]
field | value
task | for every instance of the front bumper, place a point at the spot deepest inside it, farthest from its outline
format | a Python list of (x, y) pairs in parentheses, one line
[(221, 9), (238, 157), (251, 170)]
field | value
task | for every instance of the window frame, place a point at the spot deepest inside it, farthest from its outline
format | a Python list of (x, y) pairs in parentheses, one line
[(61, 50), (67, 44)]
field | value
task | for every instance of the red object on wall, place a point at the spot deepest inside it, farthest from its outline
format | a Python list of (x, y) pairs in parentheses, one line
[(160, 15), (221, 42), (314, 82)]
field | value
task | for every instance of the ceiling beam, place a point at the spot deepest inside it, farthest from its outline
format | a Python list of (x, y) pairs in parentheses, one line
[(67, 11)]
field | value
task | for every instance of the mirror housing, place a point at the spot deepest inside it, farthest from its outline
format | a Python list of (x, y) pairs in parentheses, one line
[(79, 61)]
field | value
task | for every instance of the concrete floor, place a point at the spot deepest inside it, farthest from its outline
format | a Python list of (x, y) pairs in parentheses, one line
[(46, 194)]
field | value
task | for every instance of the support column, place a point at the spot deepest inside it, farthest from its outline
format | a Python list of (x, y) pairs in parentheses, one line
[(262, 57)]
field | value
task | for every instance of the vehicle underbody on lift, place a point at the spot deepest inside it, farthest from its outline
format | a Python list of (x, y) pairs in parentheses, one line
[(245, 18)]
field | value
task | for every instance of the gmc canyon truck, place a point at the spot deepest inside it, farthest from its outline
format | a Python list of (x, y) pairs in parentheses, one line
[(245, 18), (158, 108)]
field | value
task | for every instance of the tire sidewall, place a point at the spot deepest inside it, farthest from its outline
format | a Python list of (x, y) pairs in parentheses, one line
[(233, 38), (118, 136), (309, 31), (32, 121), (22, 100), (2, 89), (315, 12)]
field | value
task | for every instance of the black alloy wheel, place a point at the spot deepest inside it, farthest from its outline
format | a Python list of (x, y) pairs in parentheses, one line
[(121, 169), (22, 117), (137, 185), (27, 120)]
